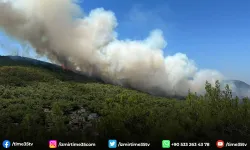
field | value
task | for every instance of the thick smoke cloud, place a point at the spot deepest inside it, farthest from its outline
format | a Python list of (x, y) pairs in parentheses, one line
[(59, 30)]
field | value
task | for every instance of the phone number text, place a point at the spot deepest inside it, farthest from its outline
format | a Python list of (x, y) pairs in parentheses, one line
[(190, 144)]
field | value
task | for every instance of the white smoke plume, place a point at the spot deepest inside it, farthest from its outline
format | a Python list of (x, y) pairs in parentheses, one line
[(60, 30)]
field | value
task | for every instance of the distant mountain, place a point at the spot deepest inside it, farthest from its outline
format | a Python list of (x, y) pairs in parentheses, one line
[(239, 88)]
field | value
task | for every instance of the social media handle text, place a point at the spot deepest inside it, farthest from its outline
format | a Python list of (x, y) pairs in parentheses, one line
[(22, 144), (133, 144), (237, 144), (74, 144)]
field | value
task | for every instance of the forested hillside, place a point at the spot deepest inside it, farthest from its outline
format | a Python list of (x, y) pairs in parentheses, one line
[(39, 104)]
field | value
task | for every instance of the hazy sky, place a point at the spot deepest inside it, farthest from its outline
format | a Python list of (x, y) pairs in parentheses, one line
[(215, 34)]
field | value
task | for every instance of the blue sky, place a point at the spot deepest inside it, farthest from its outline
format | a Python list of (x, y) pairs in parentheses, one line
[(214, 33)]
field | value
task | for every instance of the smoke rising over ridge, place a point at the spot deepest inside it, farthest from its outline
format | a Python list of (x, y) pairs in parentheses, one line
[(59, 30)]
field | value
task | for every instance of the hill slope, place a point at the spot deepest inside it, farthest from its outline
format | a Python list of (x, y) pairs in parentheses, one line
[(39, 104), (60, 73), (239, 88)]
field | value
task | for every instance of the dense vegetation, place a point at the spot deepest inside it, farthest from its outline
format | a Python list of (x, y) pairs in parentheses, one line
[(38, 104)]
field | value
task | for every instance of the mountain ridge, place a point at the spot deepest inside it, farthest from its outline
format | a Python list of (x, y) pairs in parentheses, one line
[(239, 88)]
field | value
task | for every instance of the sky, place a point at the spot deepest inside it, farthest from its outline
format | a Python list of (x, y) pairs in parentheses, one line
[(215, 34)]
